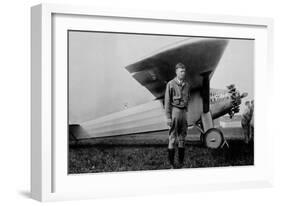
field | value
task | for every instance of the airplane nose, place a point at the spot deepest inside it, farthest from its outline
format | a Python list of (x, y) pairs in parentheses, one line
[(235, 99)]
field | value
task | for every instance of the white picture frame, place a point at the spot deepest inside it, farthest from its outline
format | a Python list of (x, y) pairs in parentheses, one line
[(48, 178)]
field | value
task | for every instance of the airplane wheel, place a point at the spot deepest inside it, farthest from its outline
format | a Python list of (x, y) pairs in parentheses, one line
[(213, 138)]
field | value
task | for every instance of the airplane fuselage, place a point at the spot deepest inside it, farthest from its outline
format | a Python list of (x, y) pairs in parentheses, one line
[(151, 116)]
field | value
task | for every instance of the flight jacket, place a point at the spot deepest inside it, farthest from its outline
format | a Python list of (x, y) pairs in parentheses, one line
[(176, 95)]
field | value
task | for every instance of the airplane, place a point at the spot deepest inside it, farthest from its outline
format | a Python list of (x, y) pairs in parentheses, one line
[(201, 57)]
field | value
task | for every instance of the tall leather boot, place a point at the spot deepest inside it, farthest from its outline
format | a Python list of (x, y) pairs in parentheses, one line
[(171, 157), (181, 151)]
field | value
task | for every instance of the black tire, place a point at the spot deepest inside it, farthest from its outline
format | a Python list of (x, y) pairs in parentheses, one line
[(213, 138)]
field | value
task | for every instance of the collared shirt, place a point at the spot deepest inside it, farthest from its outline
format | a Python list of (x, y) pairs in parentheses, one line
[(179, 81), (177, 94)]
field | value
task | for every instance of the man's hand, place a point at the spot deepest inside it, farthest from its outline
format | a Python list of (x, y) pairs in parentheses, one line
[(169, 122)]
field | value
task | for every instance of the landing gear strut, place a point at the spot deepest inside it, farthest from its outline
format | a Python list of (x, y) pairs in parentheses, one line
[(210, 136)]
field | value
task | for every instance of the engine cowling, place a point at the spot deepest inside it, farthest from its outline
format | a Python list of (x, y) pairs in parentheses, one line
[(235, 99)]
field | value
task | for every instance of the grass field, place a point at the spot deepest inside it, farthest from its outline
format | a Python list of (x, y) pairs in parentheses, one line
[(148, 151)]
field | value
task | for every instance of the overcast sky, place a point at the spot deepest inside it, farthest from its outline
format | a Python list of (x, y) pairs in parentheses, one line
[(99, 84)]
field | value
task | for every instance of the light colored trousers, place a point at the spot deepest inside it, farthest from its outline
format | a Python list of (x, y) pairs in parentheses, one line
[(178, 129)]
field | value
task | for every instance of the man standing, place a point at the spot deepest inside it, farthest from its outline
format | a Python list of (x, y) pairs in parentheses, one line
[(176, 105), (252, 121), (245, 121)]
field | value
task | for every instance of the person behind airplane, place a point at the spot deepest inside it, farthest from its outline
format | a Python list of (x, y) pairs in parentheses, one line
[(245, 121), (177, 95), (252, 121)]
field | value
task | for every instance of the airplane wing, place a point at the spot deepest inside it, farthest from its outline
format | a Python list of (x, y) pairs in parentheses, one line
[(199, 55)]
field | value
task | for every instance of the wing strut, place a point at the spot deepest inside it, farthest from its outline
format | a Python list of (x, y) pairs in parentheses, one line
[(212, 137), (206, 91), (206, 117)]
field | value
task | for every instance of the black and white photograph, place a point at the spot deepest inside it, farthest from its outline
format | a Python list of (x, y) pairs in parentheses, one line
[(141, 102)]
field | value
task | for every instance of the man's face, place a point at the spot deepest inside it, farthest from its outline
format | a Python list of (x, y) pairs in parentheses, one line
[(180, 73)]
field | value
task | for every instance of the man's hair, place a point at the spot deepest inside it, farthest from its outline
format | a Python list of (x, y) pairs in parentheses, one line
[(180, 65)]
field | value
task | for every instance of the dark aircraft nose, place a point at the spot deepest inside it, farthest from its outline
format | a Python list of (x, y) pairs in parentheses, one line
[(235, 99)]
